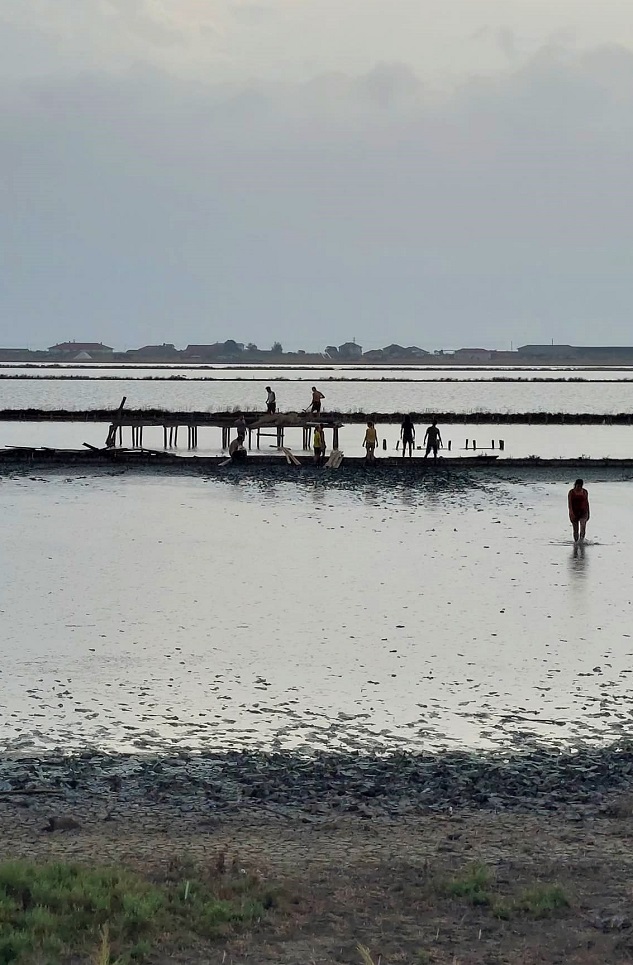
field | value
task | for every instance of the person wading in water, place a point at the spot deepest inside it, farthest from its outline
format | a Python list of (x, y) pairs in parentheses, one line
[(578, 504)]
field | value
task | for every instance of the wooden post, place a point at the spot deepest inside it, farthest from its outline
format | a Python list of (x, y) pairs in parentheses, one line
[(502, 444), (474, 444), (449, 445), (335, 437), (164, 437), (111, 439)]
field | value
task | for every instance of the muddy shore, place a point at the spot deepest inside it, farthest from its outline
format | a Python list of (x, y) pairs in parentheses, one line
[(201, 784), (391, 468), (531, 863)]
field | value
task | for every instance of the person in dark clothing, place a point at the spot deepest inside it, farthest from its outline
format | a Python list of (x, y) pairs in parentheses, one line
[(579, 513), (317, 398), (407, 433), (433, 440), (271, 401)]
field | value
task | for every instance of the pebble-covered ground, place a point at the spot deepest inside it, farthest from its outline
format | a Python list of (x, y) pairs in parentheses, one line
[(401, 784)]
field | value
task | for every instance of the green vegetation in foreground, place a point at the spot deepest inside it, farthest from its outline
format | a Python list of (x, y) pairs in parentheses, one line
[(51, 911), (478, 887)]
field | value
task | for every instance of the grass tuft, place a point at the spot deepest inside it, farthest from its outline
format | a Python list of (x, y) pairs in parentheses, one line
[(365, 955), (542, 901), (55, 911), (473, 885)]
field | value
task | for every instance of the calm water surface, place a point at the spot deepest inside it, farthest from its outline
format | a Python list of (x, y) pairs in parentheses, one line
[(142, 612), (346, 390)]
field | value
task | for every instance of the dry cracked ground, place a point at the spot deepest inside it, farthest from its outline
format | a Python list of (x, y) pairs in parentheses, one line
[(464, 888)]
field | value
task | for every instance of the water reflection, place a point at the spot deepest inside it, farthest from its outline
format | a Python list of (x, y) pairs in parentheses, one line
[(578, 561)]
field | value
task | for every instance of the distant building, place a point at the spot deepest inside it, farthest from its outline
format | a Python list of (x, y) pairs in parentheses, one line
[(473, 355), (16, 354), (89, 351), (218, 351), (331, 351), (350, 351), (156, 353), (416, 352), (580, 354), (394, 352), (547, 351), (374, 355), (204, 352)]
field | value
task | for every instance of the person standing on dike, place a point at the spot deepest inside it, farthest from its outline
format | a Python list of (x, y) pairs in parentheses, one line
[(271, 401), (433, 440), (578, 504), (407, 433), (317, 397)]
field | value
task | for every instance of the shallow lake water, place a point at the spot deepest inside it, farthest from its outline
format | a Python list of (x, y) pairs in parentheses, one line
[(345, 390), (520, 441), (148, 611)]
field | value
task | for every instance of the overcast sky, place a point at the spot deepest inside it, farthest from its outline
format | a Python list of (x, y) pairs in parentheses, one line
[(435, 172)]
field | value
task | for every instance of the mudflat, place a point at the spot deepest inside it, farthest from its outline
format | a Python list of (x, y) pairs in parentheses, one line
[(453, 860), (462, 886)]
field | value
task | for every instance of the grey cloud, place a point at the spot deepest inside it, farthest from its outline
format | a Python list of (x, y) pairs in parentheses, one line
[(144, 208)]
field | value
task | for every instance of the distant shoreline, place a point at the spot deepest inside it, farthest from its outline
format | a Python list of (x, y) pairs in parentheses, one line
[(324, 365)]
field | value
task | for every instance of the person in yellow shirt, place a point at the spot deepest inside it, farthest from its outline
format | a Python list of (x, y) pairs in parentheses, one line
[(370, 442), (318, 444)]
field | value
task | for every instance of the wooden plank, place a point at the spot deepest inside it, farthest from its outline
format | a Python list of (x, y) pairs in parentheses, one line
[(290, 456), (335, 460)]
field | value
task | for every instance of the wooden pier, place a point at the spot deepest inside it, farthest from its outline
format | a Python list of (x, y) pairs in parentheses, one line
[(258, 429)]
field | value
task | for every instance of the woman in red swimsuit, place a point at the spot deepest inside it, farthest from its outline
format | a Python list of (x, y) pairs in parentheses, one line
[(578, 502)]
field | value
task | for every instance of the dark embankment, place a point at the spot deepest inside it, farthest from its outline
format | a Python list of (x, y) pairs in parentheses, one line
[(161, 416)]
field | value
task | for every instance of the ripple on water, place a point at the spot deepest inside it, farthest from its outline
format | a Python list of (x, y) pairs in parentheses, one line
[(142, 613)]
